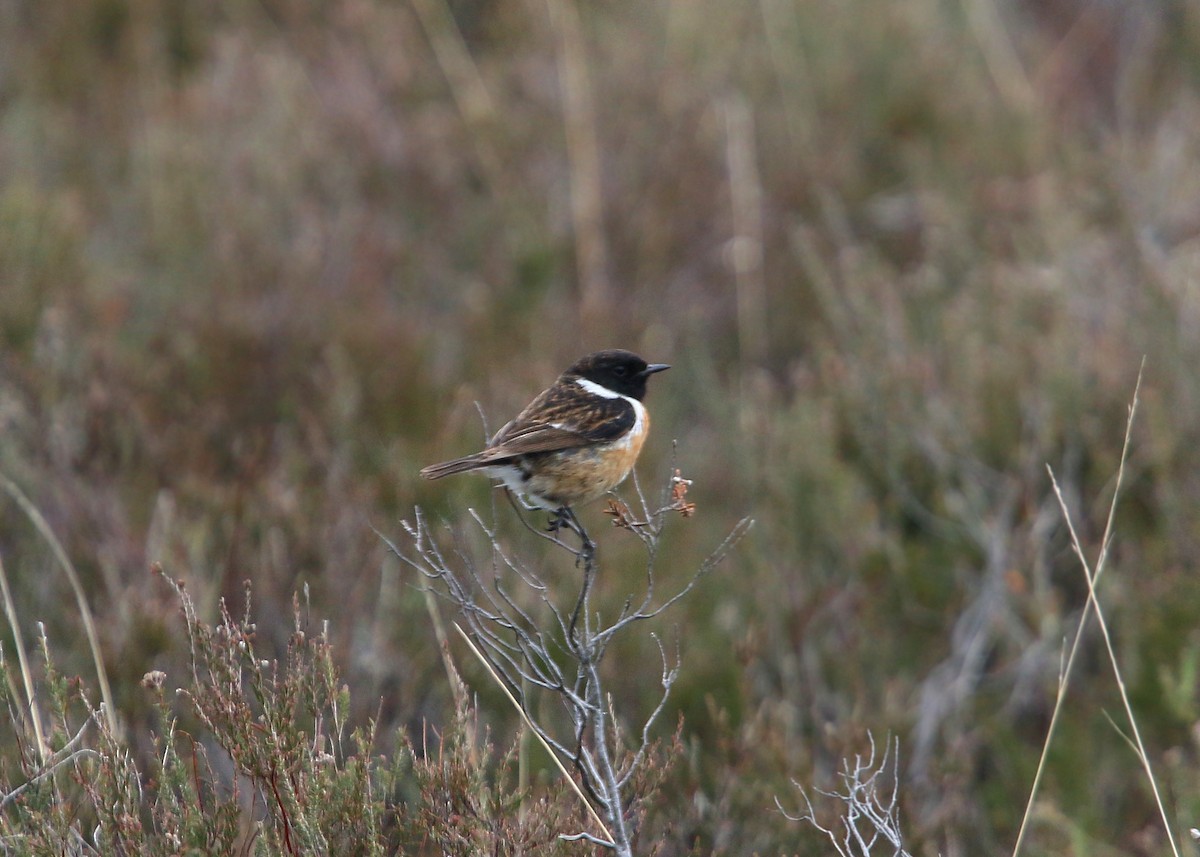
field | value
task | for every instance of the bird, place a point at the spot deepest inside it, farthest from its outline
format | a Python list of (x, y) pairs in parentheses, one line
[(575, 442)]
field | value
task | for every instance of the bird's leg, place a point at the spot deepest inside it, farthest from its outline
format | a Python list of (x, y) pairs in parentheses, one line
[(563, 517), (587, 548)]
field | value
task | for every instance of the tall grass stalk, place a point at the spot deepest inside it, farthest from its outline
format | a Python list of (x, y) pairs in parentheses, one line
[(10, 611), (579, 124), (1093, 604), (467, 86), (85, 612), (533, 730), (746, 246)]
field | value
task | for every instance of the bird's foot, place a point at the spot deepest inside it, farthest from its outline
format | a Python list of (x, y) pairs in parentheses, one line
[(560, 519), (564, 519)]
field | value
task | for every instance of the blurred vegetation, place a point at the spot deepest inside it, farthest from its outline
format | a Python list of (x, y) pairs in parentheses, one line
[(259, 260)]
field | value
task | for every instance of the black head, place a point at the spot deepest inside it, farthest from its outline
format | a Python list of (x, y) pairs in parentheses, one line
[(620, 371)]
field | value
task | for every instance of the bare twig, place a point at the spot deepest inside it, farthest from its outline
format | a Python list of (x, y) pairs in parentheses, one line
[(529, 643), (867, 816)]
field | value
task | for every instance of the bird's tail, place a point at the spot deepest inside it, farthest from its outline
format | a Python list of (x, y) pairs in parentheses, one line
[(458, 465)]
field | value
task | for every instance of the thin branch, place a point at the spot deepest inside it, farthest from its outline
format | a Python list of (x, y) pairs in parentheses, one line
[(740, 529), (669, 674), (585, 837)]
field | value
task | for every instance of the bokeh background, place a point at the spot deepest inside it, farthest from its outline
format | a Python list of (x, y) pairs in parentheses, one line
[(260, 260)]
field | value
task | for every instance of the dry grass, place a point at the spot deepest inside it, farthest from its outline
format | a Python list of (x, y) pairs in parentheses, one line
[(257, 264)]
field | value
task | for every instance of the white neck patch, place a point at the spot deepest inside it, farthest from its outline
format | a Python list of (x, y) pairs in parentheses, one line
[(599, 389), (639, 409)]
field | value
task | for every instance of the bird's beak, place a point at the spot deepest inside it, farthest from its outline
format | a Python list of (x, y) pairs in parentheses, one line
[(652, 368)]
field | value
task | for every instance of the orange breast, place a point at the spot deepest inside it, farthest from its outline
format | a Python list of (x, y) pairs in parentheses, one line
[(577, 476)]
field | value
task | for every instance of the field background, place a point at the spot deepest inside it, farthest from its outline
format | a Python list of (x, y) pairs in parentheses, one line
[(259, 260)]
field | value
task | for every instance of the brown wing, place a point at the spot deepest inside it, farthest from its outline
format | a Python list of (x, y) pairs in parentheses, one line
[(563, 417)]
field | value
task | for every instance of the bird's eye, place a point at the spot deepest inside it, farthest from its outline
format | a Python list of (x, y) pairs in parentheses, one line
[(620, 371)]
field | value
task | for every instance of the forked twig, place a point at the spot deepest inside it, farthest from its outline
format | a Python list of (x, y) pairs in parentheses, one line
[(866, 815)]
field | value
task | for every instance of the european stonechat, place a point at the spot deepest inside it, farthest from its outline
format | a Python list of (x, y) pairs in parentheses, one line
[(576, 441)]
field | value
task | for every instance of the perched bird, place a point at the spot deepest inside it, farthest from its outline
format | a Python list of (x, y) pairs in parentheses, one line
[(573, 443)]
